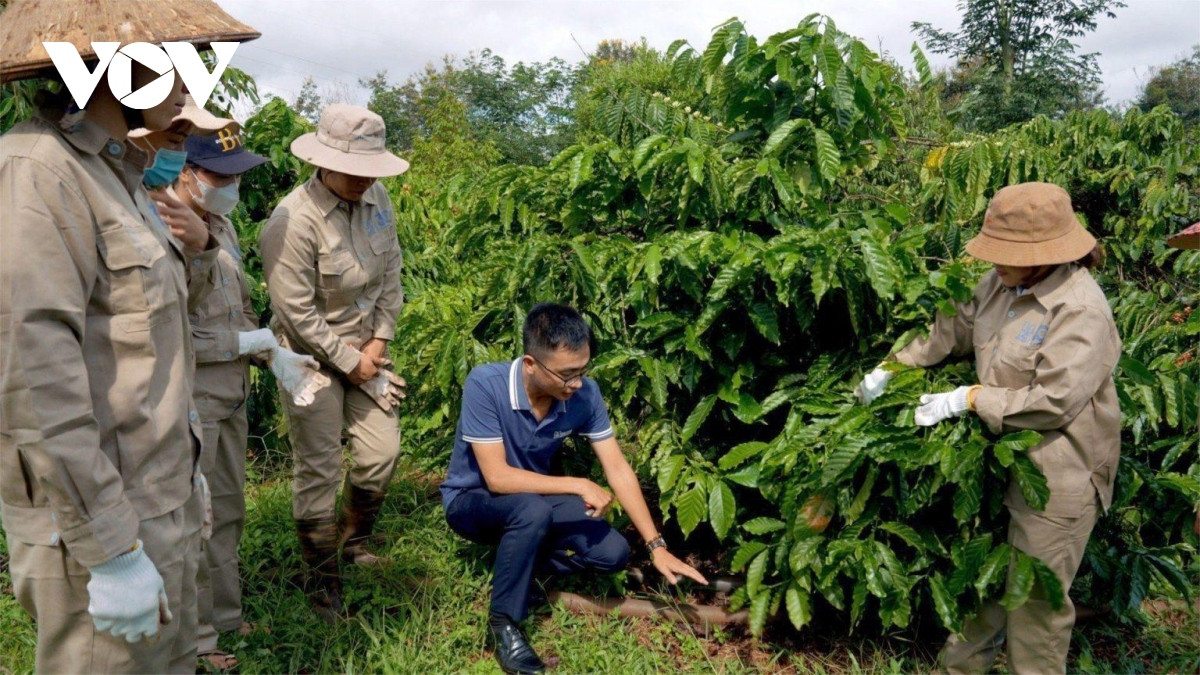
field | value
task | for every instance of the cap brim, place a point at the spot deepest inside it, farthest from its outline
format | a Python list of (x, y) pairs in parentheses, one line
[(1067, 248), (232, 164), (378, 165)]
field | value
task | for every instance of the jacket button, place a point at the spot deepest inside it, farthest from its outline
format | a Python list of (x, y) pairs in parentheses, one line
[(229, 355), (193, 416), (1011, 314), (54, 539)]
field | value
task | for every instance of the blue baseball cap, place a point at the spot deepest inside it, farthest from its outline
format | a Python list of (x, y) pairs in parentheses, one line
[(221, 152)]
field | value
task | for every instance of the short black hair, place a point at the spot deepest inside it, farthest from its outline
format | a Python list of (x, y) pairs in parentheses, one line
[(549, 327)]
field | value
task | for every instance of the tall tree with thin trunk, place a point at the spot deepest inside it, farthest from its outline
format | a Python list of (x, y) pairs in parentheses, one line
[(1020, 59)]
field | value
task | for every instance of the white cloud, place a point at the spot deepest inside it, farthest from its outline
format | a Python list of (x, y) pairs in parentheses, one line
[(338, 42)]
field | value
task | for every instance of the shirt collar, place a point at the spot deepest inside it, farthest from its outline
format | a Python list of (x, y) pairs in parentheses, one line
[(1047, 291), (322, 196), (91, 138), (370, 196), (327, 201), (518, 398)]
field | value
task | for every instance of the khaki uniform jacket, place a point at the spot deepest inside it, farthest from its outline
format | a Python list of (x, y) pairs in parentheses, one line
[(97, 426), (222, 376), (333, 271), (1045, 360)]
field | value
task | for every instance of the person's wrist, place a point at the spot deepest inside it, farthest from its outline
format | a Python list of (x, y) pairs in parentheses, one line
[(656, 544), (579, 486), (972, 394)]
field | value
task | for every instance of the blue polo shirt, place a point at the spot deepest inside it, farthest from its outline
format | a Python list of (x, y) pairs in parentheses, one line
[(495, 408)]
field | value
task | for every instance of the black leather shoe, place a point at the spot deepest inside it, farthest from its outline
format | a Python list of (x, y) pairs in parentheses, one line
[(511, 646)]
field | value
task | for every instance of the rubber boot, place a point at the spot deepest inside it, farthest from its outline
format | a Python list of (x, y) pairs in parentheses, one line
[(360, 510), (322, 573)]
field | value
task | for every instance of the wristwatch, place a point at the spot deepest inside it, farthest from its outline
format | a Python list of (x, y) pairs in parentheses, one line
[(657, 542)]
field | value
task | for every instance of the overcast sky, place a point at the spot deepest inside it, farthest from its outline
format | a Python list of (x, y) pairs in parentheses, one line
[(339, 41)]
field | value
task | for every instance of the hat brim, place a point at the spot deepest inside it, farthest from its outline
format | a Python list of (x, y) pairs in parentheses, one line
[(188, 128), (202, 121), (1188, 238), (376, 165), (231, 165), (1070, 247), (27, 25)]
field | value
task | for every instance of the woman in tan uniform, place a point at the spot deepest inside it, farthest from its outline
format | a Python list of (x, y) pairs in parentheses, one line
[(1188, 238), (332, 263), (193, 173), (99, 439), (226, 338), (1045, 348)]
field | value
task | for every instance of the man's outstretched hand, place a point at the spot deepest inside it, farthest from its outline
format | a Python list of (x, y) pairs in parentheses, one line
[(672, 568)]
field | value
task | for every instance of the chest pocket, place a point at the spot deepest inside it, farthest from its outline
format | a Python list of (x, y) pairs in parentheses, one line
[(335, 271), (138, 283), (1018, 350), (382, 242)]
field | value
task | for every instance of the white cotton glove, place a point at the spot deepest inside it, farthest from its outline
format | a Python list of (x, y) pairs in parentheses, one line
[(260, 341), (199, 482), (937, 407), (126, 596), (872, 385), (300, 376), (386, 388)]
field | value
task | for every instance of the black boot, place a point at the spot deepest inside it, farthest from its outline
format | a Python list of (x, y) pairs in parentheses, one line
[(511, 646), (360, 510), (322, 574)]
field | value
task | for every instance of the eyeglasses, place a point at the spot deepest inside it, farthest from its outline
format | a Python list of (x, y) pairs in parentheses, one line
[(567, 381)]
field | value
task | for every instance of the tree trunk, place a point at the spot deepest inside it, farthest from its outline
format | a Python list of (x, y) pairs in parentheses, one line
[(1004, 18)]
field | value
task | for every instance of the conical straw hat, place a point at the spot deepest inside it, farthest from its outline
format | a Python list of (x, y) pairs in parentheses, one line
[(26, 24)]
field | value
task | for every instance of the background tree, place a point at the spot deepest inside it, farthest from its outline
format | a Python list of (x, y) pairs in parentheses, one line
[(523, 109), (1176, 86), (1017, 58), (616, 49), (308, 102)]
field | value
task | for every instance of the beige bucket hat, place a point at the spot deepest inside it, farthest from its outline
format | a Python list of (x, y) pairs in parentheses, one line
[(349, 139), (1031, 224), (29, 23), (1189, 237), (192, 120)]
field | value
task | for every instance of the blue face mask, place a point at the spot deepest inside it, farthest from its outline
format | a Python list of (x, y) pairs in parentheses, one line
[(165, 169)]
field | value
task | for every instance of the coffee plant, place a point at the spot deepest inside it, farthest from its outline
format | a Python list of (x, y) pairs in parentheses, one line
[(747, 250)]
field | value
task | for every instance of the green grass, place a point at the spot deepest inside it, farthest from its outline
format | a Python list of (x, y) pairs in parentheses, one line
[(425, 614)]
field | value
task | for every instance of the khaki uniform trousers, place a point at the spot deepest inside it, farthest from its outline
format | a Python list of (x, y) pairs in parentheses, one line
[(316, 435), (1037, 636), (52, 587), (219, 586)]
